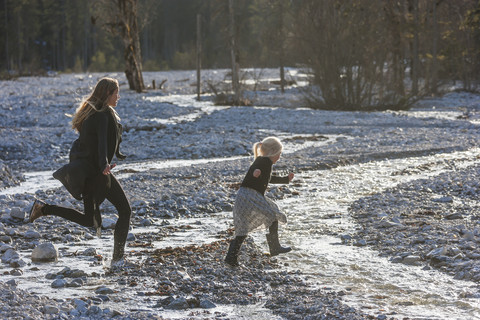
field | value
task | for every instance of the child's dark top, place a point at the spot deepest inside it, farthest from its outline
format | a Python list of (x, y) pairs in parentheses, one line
[(260, 184)]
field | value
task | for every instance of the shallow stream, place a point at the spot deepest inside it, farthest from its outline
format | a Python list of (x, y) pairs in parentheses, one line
[(320, 210), (370, 281)]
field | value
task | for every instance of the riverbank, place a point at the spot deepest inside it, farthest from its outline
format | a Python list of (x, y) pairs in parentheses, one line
[(182, 202)]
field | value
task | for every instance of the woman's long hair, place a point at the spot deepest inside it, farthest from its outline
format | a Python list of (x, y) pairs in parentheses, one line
[(96, 102)]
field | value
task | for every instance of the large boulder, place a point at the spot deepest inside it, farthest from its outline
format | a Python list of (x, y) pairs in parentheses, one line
[(45, 252)]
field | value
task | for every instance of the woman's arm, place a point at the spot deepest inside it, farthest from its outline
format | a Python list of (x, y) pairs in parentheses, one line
[(102, 129)]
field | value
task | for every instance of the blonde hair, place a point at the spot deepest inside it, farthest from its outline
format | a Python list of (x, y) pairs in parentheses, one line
[(269, 147), (96, 102)]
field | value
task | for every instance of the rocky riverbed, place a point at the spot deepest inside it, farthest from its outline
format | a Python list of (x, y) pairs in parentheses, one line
[(430, 222)]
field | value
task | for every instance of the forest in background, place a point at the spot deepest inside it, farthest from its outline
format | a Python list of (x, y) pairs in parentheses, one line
[(360, 52)]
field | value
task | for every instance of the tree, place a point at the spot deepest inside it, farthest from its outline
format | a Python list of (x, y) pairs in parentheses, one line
[(234, 54), (343, 44), (120, 17), (414, 61), (273, 20)]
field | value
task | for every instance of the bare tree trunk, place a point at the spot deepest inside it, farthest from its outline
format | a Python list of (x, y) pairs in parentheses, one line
[(6, 36), (415, 62), (282, 49), (129, 32), (434, 82), (85, 43), (233, 53), (199, 55)]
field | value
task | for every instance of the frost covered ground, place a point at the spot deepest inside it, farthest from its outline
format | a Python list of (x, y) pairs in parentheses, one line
[(185, 158)]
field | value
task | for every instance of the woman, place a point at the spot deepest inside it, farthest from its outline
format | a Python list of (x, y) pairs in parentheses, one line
[(88, 175)]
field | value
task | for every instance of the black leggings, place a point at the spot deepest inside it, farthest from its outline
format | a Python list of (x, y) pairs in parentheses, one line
[(96, 191)]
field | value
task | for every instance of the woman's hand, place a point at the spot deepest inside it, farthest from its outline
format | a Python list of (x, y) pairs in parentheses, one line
[(290, 176), (257, 173), (108, 168)]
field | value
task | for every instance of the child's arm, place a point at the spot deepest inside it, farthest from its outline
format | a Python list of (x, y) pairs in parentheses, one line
[(282, 180)]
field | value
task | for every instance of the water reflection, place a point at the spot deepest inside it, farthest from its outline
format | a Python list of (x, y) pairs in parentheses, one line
[(370, 281)]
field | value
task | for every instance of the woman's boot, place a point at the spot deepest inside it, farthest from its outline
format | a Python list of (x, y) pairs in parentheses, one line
[(37, 210), (232, 255), (274, 243), (118, 251)]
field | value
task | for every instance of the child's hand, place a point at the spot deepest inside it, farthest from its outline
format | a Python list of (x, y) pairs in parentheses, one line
[(109, 167), (257, 173), (290, 176)]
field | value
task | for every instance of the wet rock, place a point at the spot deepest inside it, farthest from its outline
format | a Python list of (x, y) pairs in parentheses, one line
[(104, 290), (360, 243), (45, 252), (59, 283), (397, 259), (446, 199), (80, 305), (17, 213), (178, 304), (12, 282), (5, 239), (5, 247), (10, 255), (32, 234), (437, 252), (11, 232), (146, 222), (165, 301), (412, 260), (16, 272), (94, 310), (76, 273), (89, 252), (109, 223), (207, 304), (75, 283), (49, 309), (454, 216), (20, 263), (439, 261)]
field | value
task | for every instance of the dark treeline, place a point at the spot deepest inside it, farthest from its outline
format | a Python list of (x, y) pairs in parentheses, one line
[(67, 35), (359, 51)]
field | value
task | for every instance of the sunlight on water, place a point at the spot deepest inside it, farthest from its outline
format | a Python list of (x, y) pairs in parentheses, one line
[(42, 180), (183, 100), (371, 281)]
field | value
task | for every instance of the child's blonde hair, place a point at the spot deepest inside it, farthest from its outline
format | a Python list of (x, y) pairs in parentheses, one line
[(269, 147)]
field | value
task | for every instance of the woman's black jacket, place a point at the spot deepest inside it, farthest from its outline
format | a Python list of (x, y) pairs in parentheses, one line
[(99, 141)]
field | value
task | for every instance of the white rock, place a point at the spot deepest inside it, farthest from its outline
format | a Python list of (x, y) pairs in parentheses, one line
[(45, 252)]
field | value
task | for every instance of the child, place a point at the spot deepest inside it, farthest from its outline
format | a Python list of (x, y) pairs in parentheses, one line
[(252, 209)]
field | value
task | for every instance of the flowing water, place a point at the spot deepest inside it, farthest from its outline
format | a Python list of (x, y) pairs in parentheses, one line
[(321, 209), (370, 281)]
